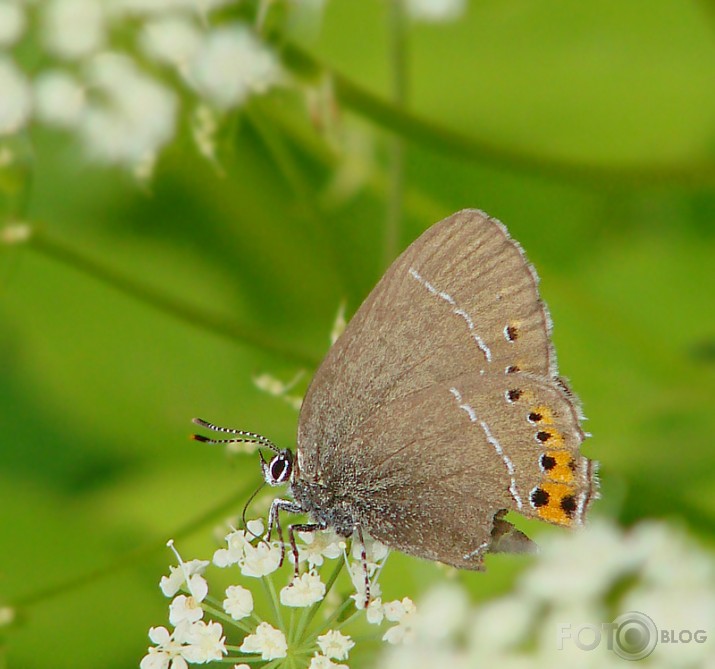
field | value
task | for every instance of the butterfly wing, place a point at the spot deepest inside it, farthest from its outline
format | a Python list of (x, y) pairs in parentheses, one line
[(460, 303)]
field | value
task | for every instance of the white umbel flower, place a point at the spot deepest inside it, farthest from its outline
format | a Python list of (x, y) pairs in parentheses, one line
[(303, 591), (205, 643), (73, 28), (136, 117), (59, 99), (12, 23), (232, 64), (260, 560), (335, 645), (15, 98), (185, 608), (403, 613), (238, 603), (167, 653), (266, 640), (172, 40)]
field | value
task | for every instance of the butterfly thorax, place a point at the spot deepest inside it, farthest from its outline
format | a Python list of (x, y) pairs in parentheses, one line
[(325, 506)]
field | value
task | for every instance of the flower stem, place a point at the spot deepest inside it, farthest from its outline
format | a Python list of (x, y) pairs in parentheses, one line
[(271, 590), (465, 147), (195, 316), (310, 640), (220, 615)]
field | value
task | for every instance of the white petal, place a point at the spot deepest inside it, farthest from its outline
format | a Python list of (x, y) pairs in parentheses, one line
[(159, 635)]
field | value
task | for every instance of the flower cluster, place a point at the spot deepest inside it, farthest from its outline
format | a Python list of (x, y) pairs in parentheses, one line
[(583, 580), (118, 72), (301, 642)]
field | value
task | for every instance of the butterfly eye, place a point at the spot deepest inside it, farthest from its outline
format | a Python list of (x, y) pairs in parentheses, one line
[(279, 469)]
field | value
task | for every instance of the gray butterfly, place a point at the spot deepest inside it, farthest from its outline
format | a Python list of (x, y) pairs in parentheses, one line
[(439, 409)]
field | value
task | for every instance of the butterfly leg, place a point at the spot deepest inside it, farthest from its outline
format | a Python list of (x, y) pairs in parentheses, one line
[(274, 521), (300, 527), (363, 557)]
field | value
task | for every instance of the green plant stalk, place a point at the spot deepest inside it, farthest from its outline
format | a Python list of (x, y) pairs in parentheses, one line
[(454, 144), (198, 317)]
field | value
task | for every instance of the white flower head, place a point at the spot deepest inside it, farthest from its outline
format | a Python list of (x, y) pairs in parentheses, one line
[(73, 28), (335, 645), (239, 602), (186, 608), (12, 23), (303, 591), (59, 99), (205, 643), (232, 64), (135, 116), (166, 653), (172, 40), (172, 583), (403, 613), (436, 11), (266, 640), (260, 560), (319, 545), (15, 97)]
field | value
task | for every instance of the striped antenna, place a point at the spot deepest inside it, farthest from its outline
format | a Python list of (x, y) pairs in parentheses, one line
[(242, 436)]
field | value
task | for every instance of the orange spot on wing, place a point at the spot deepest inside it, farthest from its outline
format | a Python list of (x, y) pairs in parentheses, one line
[(562, 498), (547, 416), (559, 467)]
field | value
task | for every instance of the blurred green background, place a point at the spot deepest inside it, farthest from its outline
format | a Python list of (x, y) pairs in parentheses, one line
[(588, 128)]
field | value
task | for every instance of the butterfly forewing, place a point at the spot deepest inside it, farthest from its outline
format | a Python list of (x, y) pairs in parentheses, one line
[(460, 299)]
